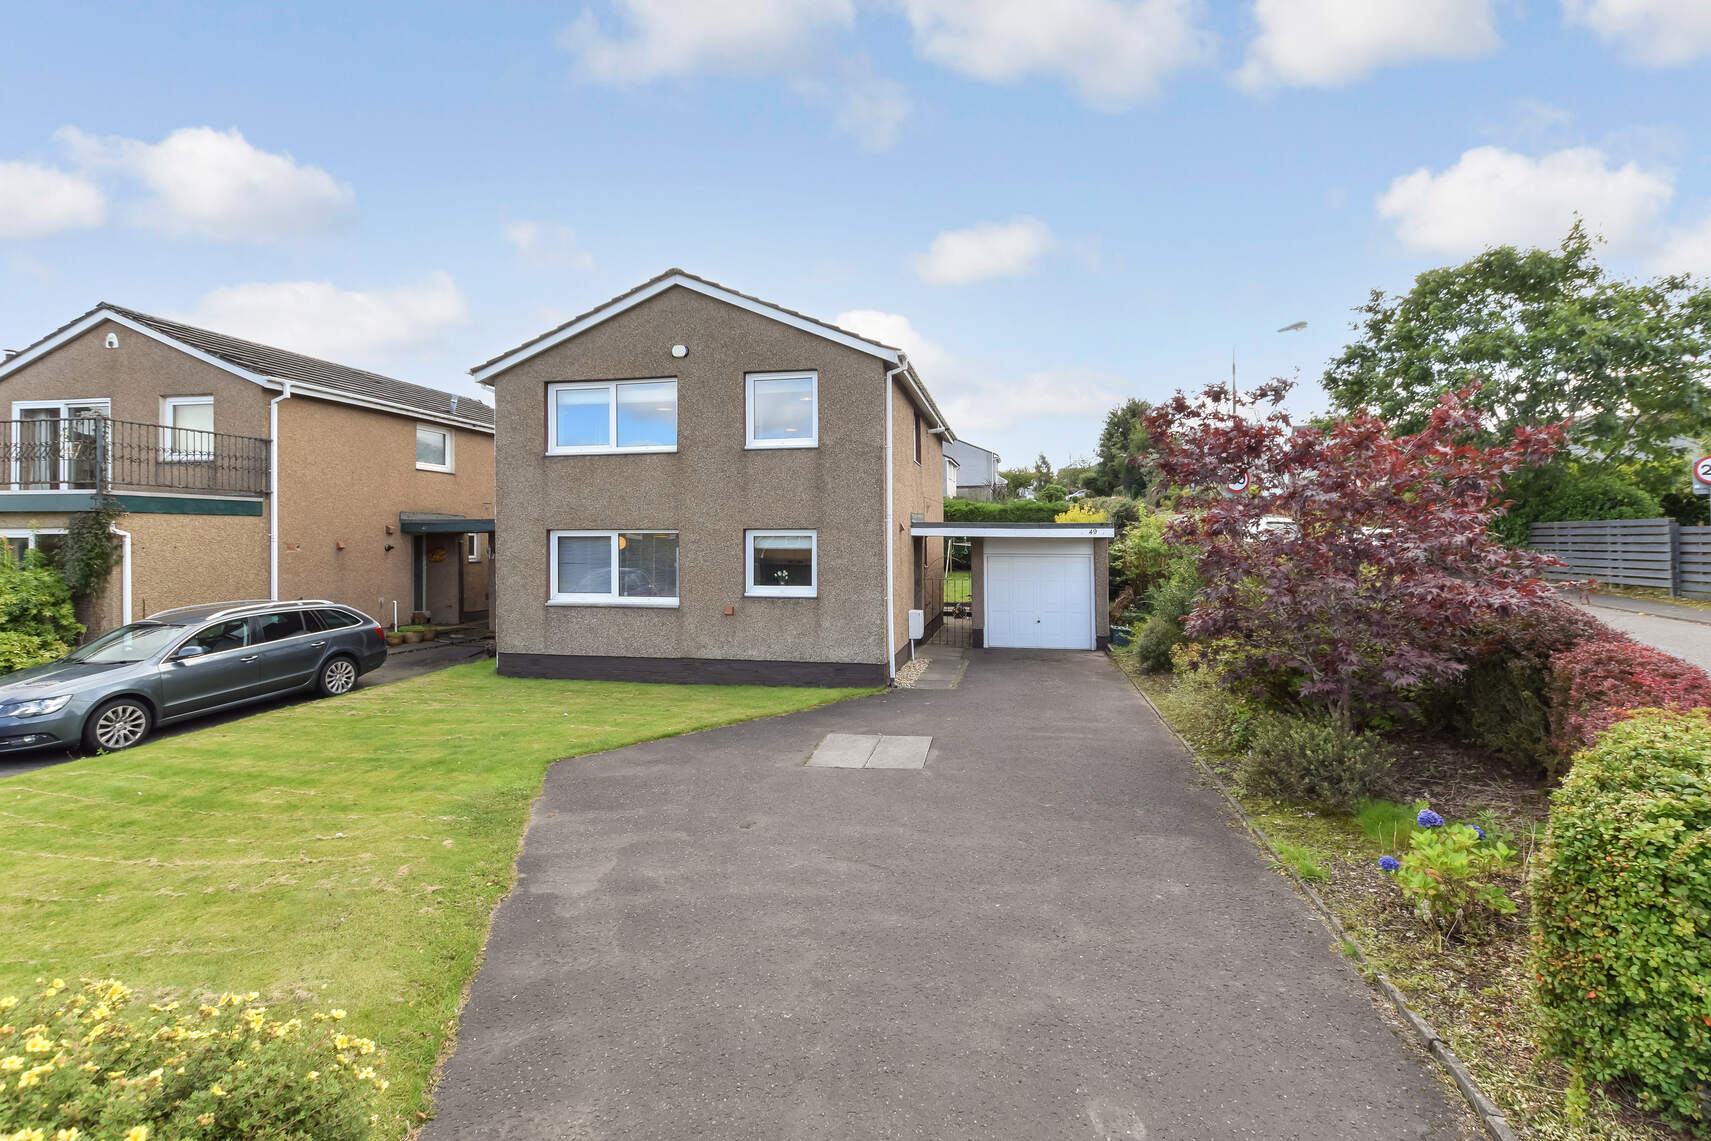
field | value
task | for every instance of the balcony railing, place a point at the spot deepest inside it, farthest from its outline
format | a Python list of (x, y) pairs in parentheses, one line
[(95, 453)]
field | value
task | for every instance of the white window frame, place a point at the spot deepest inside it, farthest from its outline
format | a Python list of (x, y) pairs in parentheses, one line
[(556, 598), (29, 537), (169, 406), (610, 447), (749, 378), (472, 552), (450, 465), (751, 589), (63, 476)]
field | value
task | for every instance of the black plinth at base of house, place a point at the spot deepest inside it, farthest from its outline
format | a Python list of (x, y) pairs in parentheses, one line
[(977, 638), (691, 671), (1102, 642)]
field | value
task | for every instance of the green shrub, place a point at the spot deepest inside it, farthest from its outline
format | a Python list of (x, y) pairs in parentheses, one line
[(1142, 557), (75, 1063), (1622, 913), (1446, 874), (1209, 717), (1119, 509), (37, 623), (1169, 604), (1314, 760), (1015, 511), (1052, 492), (1558, 494), (1507, 709)]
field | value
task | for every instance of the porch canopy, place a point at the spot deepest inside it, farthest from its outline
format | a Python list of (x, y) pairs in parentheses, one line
[(429, 523)]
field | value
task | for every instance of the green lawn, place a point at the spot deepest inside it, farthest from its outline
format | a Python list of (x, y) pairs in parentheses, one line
[(343, 853), (956, 586)]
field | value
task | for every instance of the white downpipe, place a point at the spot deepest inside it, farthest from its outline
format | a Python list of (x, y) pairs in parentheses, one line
[(273, 491), (124, 576), (890, 525)]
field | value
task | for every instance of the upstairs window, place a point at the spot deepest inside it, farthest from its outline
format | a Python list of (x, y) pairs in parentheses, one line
[(433, 449), (783, 409), (917, 437), (187, 428), (612, 416)]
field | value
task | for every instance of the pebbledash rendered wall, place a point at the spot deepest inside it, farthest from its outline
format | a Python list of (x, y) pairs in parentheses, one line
[(710, 491)]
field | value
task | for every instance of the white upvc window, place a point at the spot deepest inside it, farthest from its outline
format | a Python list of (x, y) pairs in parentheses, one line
[(783, 409), (782, 564), (472, 546), (19, 543), (434, 449), (612, 568), (590, 417), (57, 444), (187, 429)]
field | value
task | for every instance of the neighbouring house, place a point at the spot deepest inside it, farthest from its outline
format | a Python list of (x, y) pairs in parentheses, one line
[(245, 471), (951, 467), (697, 485), (977, 471)]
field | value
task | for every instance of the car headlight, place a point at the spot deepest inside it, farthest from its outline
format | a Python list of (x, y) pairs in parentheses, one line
[(39, 707)]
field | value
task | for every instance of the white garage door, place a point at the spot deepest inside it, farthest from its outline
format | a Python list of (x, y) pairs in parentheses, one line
[(1039, 601)]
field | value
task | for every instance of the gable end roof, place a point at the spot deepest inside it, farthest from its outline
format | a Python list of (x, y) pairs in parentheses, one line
[(273, 367)]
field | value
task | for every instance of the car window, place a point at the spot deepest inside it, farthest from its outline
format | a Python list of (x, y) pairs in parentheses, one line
[(133, 643), (336, 619), (273, 627), (232, 634)]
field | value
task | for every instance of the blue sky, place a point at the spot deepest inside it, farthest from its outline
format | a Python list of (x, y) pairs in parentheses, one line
[(1050, 205)]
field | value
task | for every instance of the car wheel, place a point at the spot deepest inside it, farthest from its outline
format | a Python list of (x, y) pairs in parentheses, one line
[(338, 675), (117, 724)]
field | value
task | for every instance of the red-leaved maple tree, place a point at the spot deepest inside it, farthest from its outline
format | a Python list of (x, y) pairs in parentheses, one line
[(1351, 571)]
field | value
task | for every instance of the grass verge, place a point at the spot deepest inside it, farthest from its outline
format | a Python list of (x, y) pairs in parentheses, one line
[(343, 853), (1477, 994)]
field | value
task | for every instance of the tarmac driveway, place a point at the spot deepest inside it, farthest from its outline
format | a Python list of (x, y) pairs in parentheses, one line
[(1051, 932)]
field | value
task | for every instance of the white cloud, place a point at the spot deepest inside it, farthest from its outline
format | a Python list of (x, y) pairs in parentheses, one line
[(320, 319), (37, 200), (979, 253), (872, 109), (1326, 43), (1661, 33), (977, 401), (548, 244), (1492, 196), (216, 184), (1688, 250), (680, 37), (1112, 53)]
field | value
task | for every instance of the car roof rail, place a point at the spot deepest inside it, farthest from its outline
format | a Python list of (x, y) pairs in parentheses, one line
[(247, 606)]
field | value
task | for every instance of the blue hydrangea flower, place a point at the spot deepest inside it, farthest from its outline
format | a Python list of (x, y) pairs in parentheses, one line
[(1389, 863), (1428, 819), (1478, 829)]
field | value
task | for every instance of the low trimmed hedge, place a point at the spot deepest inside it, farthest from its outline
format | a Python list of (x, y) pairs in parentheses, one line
[(1622, 914), (1595, 682), (1015, 511)]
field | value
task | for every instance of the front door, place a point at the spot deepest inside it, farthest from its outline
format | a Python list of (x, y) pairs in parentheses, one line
[(225, 670)]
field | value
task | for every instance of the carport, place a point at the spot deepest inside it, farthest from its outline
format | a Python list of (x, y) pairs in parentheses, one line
[(450, 565), (1036, 586)]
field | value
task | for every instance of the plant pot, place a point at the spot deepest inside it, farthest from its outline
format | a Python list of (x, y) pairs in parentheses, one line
[(429, 633), (413, 636), (394, 639)]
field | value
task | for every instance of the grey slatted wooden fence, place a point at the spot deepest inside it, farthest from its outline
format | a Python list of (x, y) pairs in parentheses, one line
[(1658, 553)]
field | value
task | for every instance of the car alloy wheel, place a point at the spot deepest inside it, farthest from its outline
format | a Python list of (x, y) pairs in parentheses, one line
[(121, 726), (338, 676)]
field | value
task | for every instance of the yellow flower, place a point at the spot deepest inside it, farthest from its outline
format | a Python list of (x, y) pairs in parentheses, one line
[(38, 1044), (27, 1079), (216, 1090), (312, 1074), (30, 1135), (11, 1062), (338, 1014), (138, 1133), (366, 1074), (67, 1134), (7, 1002)]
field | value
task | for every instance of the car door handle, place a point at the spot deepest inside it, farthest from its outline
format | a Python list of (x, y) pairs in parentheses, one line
[(322, 642), (250, 658)]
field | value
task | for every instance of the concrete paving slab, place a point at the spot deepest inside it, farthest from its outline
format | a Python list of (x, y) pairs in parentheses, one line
[(844, 751), (1059, 936), (900, 753)]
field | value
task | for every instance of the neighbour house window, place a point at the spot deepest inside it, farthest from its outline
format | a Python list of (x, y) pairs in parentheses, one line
[(783, 409), (433, 449), (187, 429), (917, 437), (612, 416), (472, 543), (782, 564), (614, 568)]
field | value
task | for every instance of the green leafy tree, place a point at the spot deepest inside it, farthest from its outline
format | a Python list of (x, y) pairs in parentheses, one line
[(1549, 336), (1017, 480), (1123, 466)]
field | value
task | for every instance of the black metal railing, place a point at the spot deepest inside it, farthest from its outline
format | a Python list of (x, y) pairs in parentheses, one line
[(52, 452)]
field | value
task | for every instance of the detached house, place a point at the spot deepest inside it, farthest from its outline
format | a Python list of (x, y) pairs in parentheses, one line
[(246, 471), (696, 485)]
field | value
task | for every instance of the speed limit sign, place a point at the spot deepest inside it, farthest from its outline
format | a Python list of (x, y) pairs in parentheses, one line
[(1702, 475), (1242, 482)]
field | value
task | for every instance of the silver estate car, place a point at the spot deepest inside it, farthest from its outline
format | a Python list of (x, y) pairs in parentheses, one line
[(183, 663)]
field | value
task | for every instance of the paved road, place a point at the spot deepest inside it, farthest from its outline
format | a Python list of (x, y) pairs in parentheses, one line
[(398, 667), (1052, 932), (1688, 638)]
